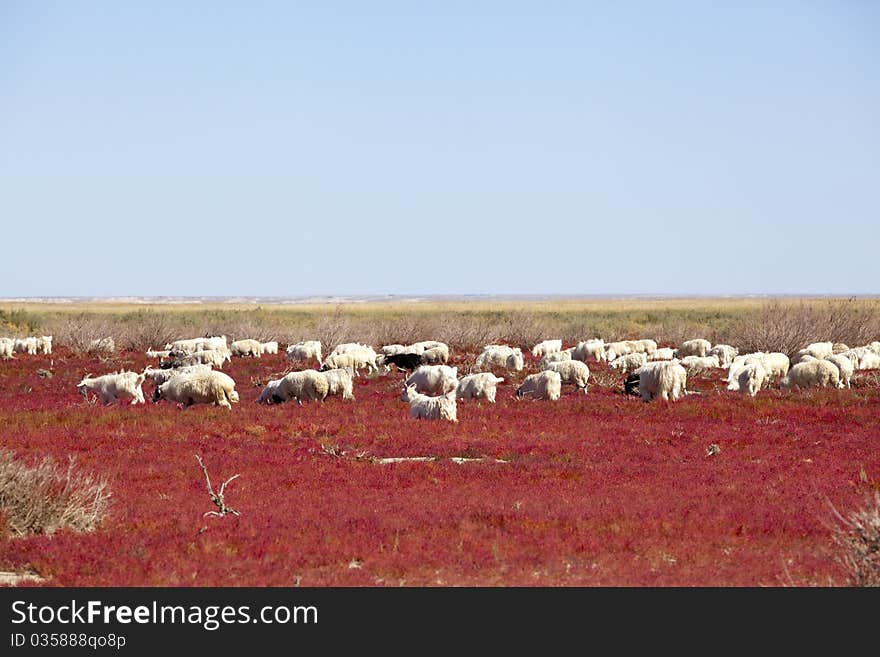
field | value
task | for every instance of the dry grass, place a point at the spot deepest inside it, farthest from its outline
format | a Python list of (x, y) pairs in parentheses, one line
[(43, 498), (607, 379), (750, 323), (566, 305), (788, 327), (857, 537)]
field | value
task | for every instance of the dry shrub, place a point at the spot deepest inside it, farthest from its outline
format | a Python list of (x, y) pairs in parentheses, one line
[(333, 330), (460, 331), (780, 325), (468, 333), (585, 328), (857, 537), (607, 379), (669, 330), (869, 379), (79, 330), (244, 328), (45, 497), (524, 329), (142, 330), (675, 331), (788, 327), (408, 329)]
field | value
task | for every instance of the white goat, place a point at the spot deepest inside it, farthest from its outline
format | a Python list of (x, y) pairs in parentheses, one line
[(573, 372), (500, 356), (310, 385), (614, 350), (555, 357), (699, 364), (477, 386), (25, 346), (436, 355), (425, 345), (209, 387), (111, 387), (593, 348), (821, 373), (352, 361), (662, 353), (844, 366), (725, 354), (423, 407), (628, 362), (44, 344), (339, 383), (305, 351), (213, 357), (665, 379), (748, 378), (646, 346), (697, 347), (433, 379), (543, 385), (247, 347), (546, 347), (160, 376)]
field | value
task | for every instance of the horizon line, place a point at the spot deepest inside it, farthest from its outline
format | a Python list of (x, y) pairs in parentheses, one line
[(410, 298)]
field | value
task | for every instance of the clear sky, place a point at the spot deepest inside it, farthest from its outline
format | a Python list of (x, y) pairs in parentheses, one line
[(312, 148)]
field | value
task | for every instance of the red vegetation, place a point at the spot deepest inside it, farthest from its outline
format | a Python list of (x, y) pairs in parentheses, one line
[(599, 489)]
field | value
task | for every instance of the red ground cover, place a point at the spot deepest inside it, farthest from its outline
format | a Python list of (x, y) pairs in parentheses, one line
[(596, 489)]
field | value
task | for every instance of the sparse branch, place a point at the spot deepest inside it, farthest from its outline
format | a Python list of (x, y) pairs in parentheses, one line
[(217, 498), (857, 536), (207, 478)]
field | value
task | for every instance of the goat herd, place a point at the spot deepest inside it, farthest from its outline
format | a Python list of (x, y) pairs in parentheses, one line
[(186, 371)]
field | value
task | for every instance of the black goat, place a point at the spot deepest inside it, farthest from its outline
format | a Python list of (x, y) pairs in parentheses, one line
[(406, 361)]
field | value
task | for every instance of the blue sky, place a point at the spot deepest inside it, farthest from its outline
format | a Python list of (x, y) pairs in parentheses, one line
[(289, 148)]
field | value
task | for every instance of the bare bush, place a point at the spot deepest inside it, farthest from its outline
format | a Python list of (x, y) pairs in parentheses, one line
[(407, 330), (670, 329), (469, 333), (332, 330), (607, 379), (787, 327), (461, 331), (218, 497), (676, 331), (524, 329), (244, 328), (144, 329), (779, 325), (79, 331), (866, 380), (43, 498), (857, 537)]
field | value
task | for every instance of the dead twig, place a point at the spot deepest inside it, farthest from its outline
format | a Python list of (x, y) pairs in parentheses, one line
[(857, 537), (217, 498), (332, 450)]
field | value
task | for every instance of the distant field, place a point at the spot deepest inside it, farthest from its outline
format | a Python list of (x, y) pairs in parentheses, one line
[(751, 323), (393, 308)]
